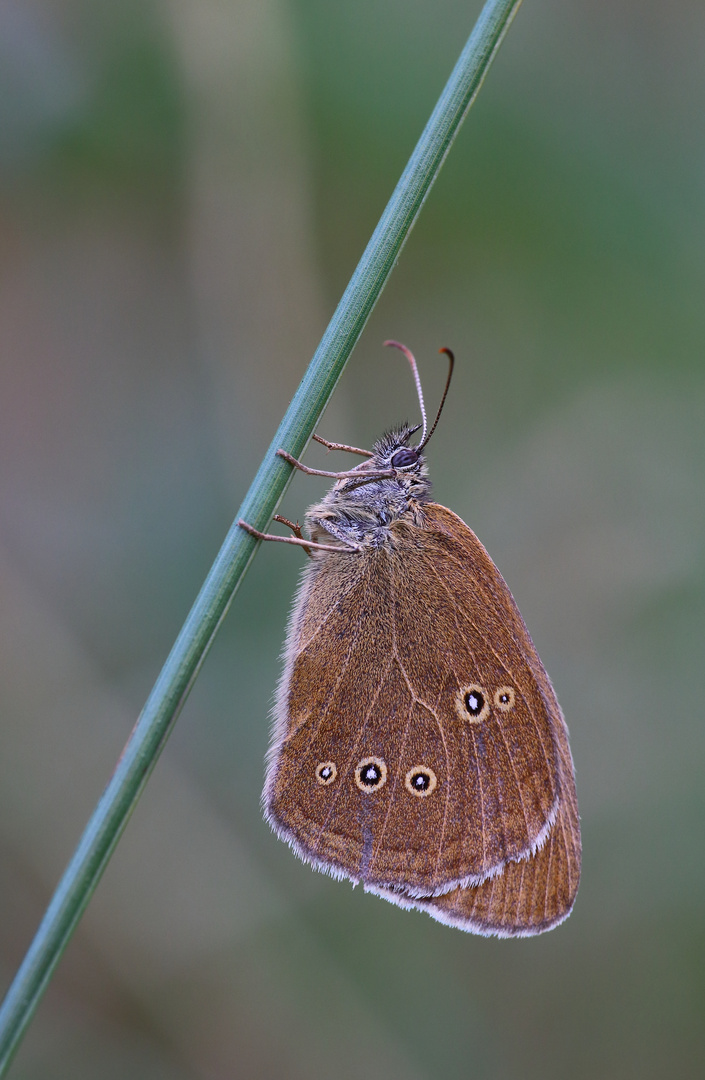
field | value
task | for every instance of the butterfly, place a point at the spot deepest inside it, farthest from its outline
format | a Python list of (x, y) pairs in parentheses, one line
[(418, 746)]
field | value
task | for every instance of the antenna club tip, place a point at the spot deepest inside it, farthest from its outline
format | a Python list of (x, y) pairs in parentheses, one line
[(448, 352)]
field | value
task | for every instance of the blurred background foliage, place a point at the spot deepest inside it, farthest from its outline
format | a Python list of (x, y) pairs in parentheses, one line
[(185, 189)]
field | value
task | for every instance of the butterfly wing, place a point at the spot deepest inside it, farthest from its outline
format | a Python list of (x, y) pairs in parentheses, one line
[(414, 744), (526, 897)]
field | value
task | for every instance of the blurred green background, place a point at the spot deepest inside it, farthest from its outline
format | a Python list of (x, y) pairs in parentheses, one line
[(185, 189)]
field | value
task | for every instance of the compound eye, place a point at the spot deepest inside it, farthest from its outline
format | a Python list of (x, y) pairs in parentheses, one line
[(404, 458)]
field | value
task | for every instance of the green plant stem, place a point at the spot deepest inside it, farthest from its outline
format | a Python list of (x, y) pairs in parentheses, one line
[(181, 668)]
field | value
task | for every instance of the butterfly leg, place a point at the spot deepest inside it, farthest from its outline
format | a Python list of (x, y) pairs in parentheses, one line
[(355, 474), (343, 446), (329, 525), (295, 528), (299, 542)]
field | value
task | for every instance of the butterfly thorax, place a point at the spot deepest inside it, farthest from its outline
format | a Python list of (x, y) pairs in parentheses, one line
[(361, 511)]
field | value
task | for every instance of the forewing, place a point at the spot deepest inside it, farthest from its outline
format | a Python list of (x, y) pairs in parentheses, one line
[(381, 646), (344, 702)]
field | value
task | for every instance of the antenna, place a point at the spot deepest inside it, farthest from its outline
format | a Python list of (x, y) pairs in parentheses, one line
[(451, 365), (410, 357)]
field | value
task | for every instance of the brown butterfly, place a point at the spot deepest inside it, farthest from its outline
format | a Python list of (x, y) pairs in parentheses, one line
[(418, 746)]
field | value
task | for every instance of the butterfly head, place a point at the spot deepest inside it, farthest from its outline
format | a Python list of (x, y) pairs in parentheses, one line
[(391, 454), (391, 484), (363, 506), (393, 451)]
